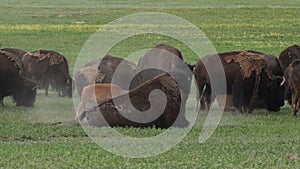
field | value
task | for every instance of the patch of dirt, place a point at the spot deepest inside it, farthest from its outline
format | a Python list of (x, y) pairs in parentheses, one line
[(293, 156), (70, 15), (22, 138), (64, 124)]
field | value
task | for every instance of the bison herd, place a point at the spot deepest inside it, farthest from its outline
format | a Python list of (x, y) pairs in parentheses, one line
[(253, 80)]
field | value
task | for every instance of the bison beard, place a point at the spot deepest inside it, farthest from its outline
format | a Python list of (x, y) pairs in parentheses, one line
[(139, 99)]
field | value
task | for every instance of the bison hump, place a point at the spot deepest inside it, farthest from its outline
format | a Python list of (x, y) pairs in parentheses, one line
[(249, 62), (15, 60), (53, 57)]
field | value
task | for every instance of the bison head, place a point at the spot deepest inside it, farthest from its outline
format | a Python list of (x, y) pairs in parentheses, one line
[(67, 87), (288, 55), (272, 91), (26, 95)]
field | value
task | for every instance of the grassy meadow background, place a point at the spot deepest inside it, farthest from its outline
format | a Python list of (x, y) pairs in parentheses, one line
[(47, 136)]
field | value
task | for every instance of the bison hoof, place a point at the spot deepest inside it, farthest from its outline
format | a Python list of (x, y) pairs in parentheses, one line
[(294, 113), (182, 123)]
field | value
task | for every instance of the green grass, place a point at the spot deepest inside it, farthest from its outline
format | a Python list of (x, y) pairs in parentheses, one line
[(34, 138)]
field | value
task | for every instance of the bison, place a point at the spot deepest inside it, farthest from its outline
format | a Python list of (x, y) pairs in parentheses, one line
[(48, 67), (148, 106), (253, 79), (14, 82), (288, 55), (103, 70), (95, 94), (162, 58), (166, 58), (292, 75), (17, 52)]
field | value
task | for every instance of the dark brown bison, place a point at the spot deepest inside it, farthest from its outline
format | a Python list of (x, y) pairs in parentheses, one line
[(292, 75), (17, 52), (288, 55), (48, 67), (166, 58), (160, 59), (86, 76), (117, 112), (103, 70), (14, 82), (253, 79)]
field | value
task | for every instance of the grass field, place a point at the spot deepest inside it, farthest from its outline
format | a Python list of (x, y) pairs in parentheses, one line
[(35, 138)]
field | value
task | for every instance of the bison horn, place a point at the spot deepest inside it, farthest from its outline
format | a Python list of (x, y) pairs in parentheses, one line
[(34, 88), (283, 81)]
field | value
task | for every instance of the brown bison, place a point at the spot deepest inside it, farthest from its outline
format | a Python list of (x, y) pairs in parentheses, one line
[(273, 65), (288, 55), (147, 105), (14, 82), (95, 94), (17, 52), (250, 80), (86, 76), (48, 67), (292, 84), (103, 70)]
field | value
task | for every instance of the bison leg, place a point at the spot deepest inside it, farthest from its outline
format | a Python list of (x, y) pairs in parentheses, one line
[(202, 104), (206, 99), (237, 98), (202, 90), (294, 104), (250, 110), (200, 94), (238, 110), (61, 93), (182, 121), (46, 89), (1, 102)]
